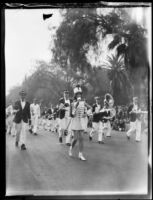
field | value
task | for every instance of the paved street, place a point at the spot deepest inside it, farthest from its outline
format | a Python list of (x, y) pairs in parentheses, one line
[(45, 167)]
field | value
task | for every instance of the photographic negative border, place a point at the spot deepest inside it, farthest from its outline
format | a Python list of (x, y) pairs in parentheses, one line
[(56, 5)]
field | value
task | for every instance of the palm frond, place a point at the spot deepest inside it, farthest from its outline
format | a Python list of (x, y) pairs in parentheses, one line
[(121, 49), (114, 42)]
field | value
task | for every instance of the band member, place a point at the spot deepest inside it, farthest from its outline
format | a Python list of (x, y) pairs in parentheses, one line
[(110, 101), (44, 116), (9, 118), (57, 117), (36, 116), (95, 121), (22, 117), (50, 118), (64, 115), (134, 112), (31, 123), (54, 121), (103, 117), (77, 124)]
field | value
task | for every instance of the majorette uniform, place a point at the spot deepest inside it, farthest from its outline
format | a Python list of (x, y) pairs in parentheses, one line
[(78, 111), (135, 121)]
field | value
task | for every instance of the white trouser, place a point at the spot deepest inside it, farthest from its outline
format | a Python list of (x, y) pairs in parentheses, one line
[(50, 124), (32, 122), (64, 124), (9, 122), (35, 123), (135, 126), (95, 128), (102, 131), (109, 129), (54, 124), (13, 131), (21, 130), (98, 128), (69, 131)]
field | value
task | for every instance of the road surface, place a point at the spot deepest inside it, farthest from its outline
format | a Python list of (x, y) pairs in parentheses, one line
[(45, 167)]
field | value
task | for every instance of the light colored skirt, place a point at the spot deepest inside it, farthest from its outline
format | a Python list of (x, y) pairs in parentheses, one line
[(78, 124)]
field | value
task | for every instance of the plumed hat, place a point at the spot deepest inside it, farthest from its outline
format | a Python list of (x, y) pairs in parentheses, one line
[(77, 89)]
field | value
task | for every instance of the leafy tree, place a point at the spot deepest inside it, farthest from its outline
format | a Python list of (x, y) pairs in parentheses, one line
[(130, 41), (13, 95), (72, 40)]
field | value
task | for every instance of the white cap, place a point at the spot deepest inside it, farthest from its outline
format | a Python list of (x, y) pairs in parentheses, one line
[(77, 90)]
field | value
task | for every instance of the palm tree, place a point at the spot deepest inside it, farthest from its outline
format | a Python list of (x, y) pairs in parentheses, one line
[(120, 85), (130, 41)]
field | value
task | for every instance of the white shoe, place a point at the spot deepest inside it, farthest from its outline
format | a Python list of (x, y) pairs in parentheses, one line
[(70, 151), (81, 157)]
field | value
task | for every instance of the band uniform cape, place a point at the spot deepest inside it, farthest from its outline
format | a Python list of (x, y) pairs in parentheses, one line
[(22, 114), (133, 116), (62, 111)]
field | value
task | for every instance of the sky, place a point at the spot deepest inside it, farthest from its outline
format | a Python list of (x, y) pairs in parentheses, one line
[(27, 39)]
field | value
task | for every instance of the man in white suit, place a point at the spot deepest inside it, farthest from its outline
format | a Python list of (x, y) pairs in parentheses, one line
[(36, 116)]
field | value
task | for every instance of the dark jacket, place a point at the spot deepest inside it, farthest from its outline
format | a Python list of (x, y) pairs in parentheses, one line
[(49, 114), (96, 116), (104, 114), (133, 116), (22, 114), (62, 111)]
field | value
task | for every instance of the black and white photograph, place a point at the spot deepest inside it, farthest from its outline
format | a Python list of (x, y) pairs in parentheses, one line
[(78, 101)]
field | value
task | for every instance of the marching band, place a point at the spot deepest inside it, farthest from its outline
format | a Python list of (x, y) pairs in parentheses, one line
[(70, 118)]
